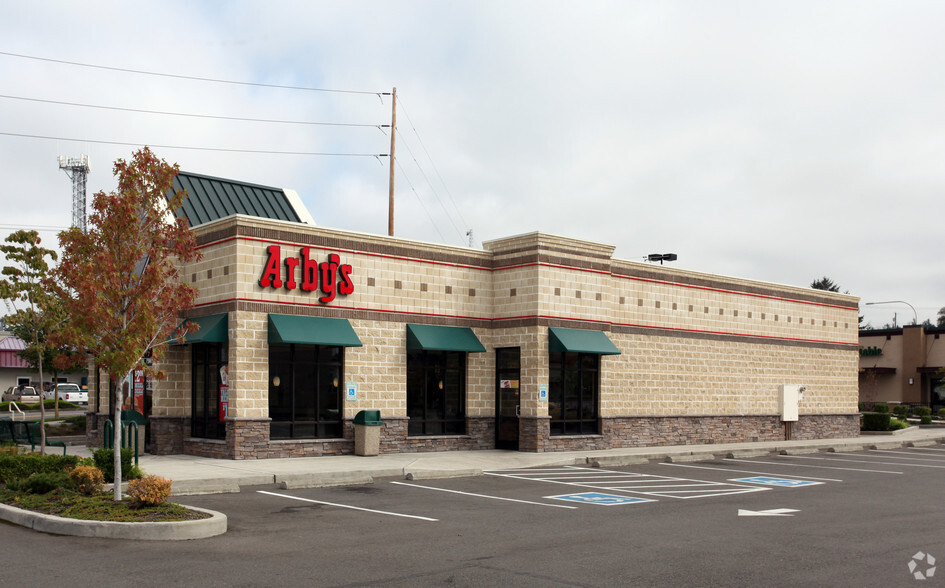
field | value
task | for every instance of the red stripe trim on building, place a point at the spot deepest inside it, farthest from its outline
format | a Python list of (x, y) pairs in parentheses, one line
[(537, 263), (532, 316)]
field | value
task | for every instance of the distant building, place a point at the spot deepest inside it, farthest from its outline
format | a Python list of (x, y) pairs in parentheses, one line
[(14, 371), (904, 365)]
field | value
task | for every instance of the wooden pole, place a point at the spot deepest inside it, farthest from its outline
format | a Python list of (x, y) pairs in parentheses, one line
[(393, 133)]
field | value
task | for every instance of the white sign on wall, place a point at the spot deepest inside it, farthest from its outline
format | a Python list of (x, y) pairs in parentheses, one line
[(351, 391), (543, 393)]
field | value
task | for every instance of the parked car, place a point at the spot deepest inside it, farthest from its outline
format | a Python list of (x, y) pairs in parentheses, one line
[(68, 393), (21, 394)]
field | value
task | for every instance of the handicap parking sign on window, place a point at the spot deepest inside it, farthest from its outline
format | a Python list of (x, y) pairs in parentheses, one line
[(599, 498), (783, 482)]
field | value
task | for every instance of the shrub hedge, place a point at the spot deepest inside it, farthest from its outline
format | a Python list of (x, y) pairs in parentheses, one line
[(876, 421), (105, 461), (880, 407), (13, 467), (901, 410)]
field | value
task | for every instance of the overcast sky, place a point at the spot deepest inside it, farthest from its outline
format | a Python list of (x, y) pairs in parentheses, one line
[(775, 141)]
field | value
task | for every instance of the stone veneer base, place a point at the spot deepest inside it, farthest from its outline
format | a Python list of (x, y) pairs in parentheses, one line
[(249, 438)]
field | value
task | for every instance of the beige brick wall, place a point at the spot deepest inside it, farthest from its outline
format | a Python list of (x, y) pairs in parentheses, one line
[(697, 344), (690, 376), (249, 364)]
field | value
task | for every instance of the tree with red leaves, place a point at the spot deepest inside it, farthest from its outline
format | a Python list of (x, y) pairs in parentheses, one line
[(121, 281)]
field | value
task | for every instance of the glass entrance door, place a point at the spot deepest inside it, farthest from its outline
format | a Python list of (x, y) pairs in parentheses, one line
[(507, 397)]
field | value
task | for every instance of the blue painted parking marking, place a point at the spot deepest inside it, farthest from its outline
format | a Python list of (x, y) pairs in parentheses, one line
[(599, 498), (783, 482)]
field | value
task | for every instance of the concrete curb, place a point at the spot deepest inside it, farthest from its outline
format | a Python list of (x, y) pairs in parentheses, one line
[(319, 480), (420, 474), (161, 531)]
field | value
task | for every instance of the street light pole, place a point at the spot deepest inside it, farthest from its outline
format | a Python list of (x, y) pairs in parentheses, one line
[(898, 302)]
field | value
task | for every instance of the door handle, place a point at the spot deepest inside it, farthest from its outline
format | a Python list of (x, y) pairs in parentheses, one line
[(518, 411)]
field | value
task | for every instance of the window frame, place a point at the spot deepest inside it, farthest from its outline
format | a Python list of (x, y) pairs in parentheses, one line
[(306, 412), (205, 420), (429, 406), (582, 373)]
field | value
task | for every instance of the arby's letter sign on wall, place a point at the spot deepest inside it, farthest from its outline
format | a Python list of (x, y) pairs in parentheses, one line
[(330, 277)]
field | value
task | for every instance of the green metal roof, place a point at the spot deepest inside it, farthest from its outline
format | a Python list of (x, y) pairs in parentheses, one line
[(580, 341), (210, 198), (313, 330), (432, 337)]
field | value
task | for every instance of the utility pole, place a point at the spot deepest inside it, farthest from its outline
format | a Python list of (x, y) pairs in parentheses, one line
[(77, 168), (393, 133)]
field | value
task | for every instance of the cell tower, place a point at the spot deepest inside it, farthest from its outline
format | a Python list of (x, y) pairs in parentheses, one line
[(77, 168)]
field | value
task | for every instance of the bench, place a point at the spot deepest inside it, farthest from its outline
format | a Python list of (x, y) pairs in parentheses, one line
[(21, 433)]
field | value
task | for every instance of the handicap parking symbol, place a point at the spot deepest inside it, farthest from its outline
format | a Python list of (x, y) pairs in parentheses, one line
[(599, 498), (783, 482)]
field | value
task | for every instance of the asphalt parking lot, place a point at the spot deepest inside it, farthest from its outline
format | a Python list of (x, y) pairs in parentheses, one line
[(870, 518)]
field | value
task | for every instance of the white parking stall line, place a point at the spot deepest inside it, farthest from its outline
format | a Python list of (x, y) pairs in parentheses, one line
[(682, 465), (798, 465), (644, 484), (908, 465), (348, 506), (937, 449), (483, 495), (926, 458)]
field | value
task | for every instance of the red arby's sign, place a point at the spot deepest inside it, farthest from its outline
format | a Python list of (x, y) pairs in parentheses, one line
[(330, 277)]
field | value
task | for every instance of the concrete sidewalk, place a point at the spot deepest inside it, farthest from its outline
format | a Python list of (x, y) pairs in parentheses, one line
[(201, 475)]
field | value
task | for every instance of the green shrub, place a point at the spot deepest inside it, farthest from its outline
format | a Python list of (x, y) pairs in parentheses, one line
[(876, 421), (880, 407), (896, 424), (901, 410), (105, 461), (941, 413), (926, 420), (41, 483), (922, 411), (23, 466), (862, 406)]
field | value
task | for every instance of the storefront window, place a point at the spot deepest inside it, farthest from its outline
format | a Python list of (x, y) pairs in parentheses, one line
[(305, 391), (572, 393), (938, 394), (208, 361), (436, 392)]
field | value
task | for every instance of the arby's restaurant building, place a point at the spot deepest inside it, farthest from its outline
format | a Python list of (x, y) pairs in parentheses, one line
[(534, 343)]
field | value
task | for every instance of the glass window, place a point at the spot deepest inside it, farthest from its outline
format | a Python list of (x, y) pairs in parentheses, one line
[(572, 393), (207, 361), (436, 392), (305, 391)]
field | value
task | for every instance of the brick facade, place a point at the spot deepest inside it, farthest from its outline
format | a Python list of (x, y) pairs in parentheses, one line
[(701, 359)]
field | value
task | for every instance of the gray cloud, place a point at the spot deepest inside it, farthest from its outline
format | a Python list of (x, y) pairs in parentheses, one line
[(771, 141)]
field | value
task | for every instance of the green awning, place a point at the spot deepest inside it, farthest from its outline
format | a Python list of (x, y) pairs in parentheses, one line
[(431, 337), (213, 329), (580, 341), (312, 330)]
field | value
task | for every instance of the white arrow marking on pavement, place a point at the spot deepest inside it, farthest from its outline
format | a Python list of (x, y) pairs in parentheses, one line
[(773, 512)]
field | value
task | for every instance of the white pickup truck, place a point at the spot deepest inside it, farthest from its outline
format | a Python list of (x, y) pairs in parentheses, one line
[(68, 393)]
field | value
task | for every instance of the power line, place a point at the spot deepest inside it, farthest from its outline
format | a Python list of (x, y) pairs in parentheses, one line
[(437, 196), (44, 228), (223, 149), (448, 193), (192, 115), (195, 78), (406, 177)]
